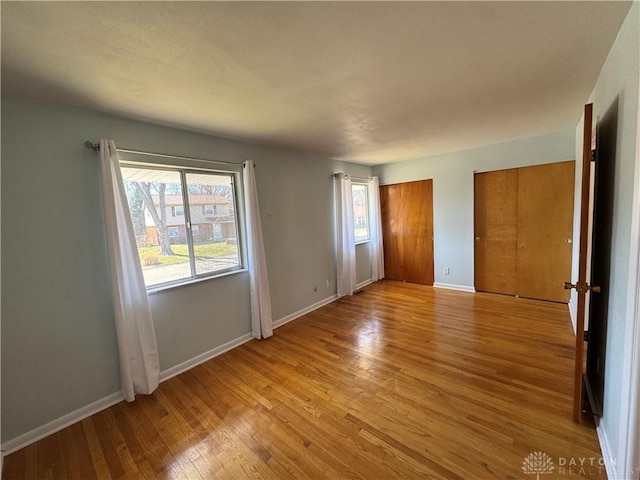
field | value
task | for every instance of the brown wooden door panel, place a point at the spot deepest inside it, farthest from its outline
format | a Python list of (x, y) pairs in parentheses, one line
[(392, 231), (582, 260), (417, 205), (545, 230), (496, 220), (407, 220)]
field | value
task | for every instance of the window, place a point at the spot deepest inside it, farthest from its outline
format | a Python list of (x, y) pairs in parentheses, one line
[(207, 210), (360, 212), (177, 211), (176, 240)]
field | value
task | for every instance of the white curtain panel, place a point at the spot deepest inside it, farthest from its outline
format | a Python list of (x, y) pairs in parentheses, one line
[(375, 216), (345, 241), (139, 362), (261, 326)]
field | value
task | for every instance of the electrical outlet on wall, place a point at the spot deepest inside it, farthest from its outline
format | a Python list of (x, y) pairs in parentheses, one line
[(446, 270), (327, 283)]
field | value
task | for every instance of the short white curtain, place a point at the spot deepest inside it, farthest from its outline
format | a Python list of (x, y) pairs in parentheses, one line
[(261, 321), (139, 362), (375, 216), (345, 241)]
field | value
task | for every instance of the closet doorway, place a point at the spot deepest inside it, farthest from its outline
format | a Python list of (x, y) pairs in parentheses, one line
[(523, 231)]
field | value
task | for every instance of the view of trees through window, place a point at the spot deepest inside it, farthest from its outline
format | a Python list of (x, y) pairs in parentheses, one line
[(360, 212), (182, 236)]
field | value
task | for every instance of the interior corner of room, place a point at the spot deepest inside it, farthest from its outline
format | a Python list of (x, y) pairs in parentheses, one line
[(498, 217)]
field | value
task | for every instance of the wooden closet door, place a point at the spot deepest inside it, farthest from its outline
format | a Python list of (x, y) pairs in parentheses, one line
[(407, 226), (496, 231), (392, 231), (545, 230)]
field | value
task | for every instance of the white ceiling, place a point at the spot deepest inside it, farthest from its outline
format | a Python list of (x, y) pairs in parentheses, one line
[(367, 82)]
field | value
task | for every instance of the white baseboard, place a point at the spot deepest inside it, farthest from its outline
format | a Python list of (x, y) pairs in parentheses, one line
[(363, 284), (304, 311), (70, 418), (605, 447), (58, 424), (451, 286), (573, 314), (203, 357)]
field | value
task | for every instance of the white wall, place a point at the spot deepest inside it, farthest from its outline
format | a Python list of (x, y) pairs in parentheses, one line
[(452, 175), (363, 263), (58, 340), (619, 82)]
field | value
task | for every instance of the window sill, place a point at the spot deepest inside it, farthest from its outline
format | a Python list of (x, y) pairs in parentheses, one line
[(360, 242), (191, 281)]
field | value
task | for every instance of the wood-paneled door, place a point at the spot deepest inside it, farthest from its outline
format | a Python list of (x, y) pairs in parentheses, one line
[(581, 293), (601, 243), (496, 231), (407, 229), (545, 230), (523, 231)]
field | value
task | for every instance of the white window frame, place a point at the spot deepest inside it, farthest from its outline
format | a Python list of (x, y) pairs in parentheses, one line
[(359, 241), (184, 166), (172, 232), (174, 211)]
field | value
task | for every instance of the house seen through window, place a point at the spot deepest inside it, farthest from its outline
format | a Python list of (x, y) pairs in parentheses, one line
[(184, 221), (360, 212)]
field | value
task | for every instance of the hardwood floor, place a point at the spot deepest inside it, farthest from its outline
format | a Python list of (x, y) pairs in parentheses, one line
[(402, 381)]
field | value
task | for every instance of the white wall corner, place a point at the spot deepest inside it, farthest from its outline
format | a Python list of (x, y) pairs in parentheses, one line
[(304, 311), (629, 438), (451, 286)]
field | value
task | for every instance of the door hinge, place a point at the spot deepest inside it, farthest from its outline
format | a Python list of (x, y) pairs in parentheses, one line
[(585, 335)]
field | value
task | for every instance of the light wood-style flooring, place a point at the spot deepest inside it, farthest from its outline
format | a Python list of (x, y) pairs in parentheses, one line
[(401, 381)]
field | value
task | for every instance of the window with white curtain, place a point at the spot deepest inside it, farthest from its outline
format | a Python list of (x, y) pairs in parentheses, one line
[(185, 223), (360, 212)]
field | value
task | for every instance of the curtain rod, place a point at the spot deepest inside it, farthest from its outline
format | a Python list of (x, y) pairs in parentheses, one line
[(361, 178), (96, 148), (352, 176)]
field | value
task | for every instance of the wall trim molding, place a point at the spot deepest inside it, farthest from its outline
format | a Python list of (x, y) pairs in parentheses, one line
[(605, 446), (364, 284), (81, 413), (452, 286), (203, 357), (292, 316), (59, 423)]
